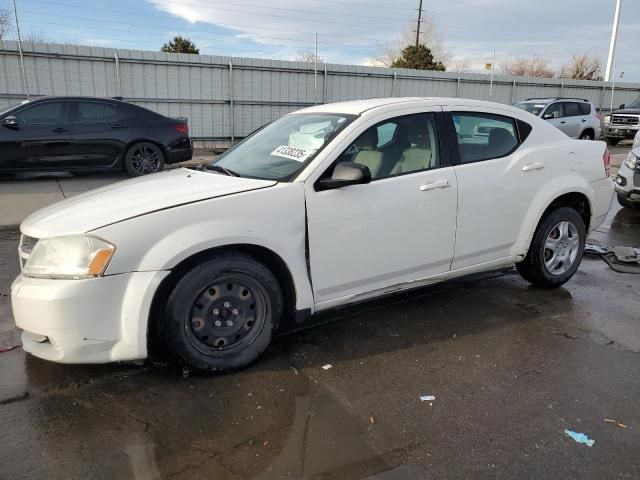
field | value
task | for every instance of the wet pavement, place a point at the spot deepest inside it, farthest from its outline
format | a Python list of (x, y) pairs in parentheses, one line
[(511, 367)]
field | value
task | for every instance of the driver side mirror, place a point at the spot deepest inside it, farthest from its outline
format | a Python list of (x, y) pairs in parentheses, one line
[(10, 122), (344, 174), (547, 116), (622, 105)]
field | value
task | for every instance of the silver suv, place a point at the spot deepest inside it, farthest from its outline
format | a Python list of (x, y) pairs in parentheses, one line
[(576, 117)]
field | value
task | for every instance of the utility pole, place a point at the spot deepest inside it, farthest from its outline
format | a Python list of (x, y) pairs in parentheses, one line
[(24, 73), (612, 45), (419, 22)]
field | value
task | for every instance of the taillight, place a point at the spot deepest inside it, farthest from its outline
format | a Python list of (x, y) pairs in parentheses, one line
[(182, 129), (606, 158)]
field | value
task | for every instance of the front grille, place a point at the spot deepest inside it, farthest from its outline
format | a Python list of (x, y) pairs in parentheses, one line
[(25, 248), (625, 120)]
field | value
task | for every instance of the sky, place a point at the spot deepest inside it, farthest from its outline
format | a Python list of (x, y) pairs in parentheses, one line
[(349, 31)]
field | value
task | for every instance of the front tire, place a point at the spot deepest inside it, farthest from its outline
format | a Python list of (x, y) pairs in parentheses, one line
[(556, 249), (143, 158), (625, 202), (221, 314)]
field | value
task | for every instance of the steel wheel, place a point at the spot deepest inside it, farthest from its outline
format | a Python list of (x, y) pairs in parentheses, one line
[(230, 311), (561, 248), (145, 159), (586, 136)]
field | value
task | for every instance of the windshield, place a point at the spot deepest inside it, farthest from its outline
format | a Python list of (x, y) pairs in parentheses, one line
[(11, 107), (282, 148), (635, 104), (531, 107)]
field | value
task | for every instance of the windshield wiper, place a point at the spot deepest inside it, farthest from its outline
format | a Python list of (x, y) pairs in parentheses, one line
[(218, 168)]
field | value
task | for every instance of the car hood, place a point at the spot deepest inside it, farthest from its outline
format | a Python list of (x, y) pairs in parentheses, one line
[(132, 198), (632, 111)]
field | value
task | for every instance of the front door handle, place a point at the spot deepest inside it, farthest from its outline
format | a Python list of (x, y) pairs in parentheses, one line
[(60, 130), (434, 185), (532, 166), (583, 120), (563, 122), (117, 125)]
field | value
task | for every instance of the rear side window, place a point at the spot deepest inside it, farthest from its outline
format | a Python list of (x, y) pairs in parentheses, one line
[(572, 109), (49, 113), (524, 129), (123, 113), (95, 112), (585, 108), (483, 136)]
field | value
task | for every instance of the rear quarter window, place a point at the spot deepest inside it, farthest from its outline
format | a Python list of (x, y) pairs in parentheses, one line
[(585, 108)]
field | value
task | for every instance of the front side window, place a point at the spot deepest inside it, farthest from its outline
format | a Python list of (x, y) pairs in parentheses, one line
[(554, 111), (95, 112), (412, 147), (48, 113), (572, 109), (283, 148), (483, 136)]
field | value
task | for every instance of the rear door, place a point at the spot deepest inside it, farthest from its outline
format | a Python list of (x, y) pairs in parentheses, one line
[(42, 139), (498, 177), (101, 132), (573, 119)]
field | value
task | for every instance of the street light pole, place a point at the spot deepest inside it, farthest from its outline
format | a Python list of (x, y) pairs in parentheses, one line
[(419, 22), (24, 73), (612, 45)]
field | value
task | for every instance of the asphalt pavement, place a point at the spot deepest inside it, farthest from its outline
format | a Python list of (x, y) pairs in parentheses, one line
[(511, 368)]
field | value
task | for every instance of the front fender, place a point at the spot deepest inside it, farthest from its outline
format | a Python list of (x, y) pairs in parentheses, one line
[(272, 218), (555, 188)]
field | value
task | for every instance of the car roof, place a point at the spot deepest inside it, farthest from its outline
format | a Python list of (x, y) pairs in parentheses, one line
[(357, 107)]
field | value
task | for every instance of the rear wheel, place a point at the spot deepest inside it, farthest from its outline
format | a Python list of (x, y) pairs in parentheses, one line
[(556, 249), (143, 158), (222, 313), (587, 135), (613, 141)]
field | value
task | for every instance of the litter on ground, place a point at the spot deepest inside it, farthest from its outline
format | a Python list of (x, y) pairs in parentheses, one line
[(327, 366), (579, 437), (427, 398)]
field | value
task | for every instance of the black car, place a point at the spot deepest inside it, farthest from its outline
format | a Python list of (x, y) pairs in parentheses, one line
[(623, 123), (87, 134)]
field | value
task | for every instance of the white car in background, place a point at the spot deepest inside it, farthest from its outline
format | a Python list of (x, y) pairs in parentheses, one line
[(327, 206), (628, 177)]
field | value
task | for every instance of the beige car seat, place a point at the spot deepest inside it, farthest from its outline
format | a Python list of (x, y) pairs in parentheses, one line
[(368, 153), (418, 155)]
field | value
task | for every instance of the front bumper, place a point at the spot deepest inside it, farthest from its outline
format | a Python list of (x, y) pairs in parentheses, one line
[(615, 131), (97, 320)]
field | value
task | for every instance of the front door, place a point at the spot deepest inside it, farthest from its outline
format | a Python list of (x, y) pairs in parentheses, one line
[(399, 228), (558, 119), (41, 140)]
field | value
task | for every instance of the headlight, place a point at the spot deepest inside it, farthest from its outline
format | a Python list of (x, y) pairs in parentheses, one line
[(607, 119), (631, 161), (76, 256), (636, 141)]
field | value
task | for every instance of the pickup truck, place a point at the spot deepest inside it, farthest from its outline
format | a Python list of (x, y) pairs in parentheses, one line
[(324, 207), (623, 123)]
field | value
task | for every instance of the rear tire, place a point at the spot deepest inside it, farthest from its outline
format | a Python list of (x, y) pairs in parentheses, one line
[(587, 135), (556, 249), (222, 313), (612, 141), (143, 158)]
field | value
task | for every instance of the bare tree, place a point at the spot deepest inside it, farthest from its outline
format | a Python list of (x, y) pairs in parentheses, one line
[(6, 25), (528, 67), (461, 65), (307, 56), (582, 67), (430, 37), (37, 37)]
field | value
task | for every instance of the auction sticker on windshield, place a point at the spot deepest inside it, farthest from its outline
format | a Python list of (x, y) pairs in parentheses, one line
[(292, 153)]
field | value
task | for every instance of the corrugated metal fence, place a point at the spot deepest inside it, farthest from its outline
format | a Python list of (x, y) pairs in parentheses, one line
[(228, 97)]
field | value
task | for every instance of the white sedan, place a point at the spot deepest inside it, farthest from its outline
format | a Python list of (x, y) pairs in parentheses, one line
[(324, 207)]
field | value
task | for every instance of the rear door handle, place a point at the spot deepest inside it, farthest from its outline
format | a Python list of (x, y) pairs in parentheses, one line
[(583, 120), (532, 166), (60, 130), (563, 122), (117, 125), (434, 185)]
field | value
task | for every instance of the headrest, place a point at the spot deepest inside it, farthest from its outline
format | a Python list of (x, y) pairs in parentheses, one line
[(418, 134), (368, 140), (500, 136)]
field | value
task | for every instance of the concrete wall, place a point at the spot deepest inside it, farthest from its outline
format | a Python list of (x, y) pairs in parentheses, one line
[(226, 97)]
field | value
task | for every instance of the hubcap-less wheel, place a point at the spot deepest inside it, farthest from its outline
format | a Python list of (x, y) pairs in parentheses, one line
[(229, 311), (561, 248), (145, 160), (586, 136)]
